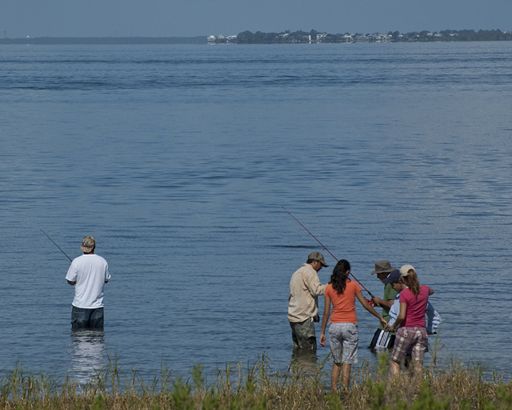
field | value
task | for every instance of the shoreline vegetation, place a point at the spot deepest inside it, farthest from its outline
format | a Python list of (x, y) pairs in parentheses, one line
[(315, 37), (284, 37), (257, 387)]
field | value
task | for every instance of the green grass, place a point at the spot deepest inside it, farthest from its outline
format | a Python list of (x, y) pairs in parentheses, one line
[(258, 388)]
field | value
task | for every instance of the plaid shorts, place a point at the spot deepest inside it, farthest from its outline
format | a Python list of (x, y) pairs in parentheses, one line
[(344, 341), (410, 341)]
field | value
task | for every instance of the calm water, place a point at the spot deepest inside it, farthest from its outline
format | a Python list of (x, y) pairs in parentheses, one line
[(179, 159)]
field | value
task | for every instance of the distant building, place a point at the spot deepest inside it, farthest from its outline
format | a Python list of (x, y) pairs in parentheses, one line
[(221, 39)]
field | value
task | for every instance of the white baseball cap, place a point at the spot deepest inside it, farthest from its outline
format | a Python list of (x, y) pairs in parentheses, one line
[(405, 269)]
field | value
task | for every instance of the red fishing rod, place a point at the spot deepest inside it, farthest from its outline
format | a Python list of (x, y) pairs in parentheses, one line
[(325, 247)]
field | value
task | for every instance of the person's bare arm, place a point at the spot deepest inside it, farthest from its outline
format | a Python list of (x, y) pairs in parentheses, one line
[(369, 308), (400, 318), (325, 318), (382, 303)]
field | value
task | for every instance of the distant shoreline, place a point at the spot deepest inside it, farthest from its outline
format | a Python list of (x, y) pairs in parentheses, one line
[(315, 37), (284, 37), (103, 40)]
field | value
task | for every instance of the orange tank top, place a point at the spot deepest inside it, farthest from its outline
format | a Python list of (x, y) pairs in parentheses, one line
[(344, 304)]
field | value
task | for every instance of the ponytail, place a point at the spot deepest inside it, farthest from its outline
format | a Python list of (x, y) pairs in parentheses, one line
[(340, 275), (412, 282)]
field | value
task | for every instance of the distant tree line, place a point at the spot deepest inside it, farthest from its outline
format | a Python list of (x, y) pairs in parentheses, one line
[(454, 35), (313, 36), (247, 37)]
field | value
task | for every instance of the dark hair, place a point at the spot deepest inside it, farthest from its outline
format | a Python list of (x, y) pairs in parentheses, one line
[(340, 275)]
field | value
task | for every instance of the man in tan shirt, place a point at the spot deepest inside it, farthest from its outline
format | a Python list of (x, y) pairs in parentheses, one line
[(305, 287)]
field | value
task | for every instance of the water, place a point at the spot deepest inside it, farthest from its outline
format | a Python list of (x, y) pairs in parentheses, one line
[(179, 159)]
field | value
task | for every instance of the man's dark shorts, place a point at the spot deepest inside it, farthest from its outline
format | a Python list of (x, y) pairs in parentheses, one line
[(303, 335), (86, 318)]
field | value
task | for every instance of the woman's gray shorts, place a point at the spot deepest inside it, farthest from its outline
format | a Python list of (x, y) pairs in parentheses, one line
[(344, 340)]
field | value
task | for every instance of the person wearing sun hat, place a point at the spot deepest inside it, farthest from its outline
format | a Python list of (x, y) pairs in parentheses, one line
[(88, 273), (382, 269), (305, 287)]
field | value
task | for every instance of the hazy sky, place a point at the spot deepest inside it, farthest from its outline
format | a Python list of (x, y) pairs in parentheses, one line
[(19, 18)]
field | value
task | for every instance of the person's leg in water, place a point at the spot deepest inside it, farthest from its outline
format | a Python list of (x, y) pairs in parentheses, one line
[(79, 318), (335, 374), (338, 368), (344, 340), (418, 350), (346, 375), (336, 345), (401, 349), (394, 369), (350, 352), (303, 336), (96, 319), (304, 348)]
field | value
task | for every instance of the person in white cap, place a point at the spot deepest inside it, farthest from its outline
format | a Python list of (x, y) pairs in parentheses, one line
[(410, 326), (88, 274), (432, 317), (305, 287)]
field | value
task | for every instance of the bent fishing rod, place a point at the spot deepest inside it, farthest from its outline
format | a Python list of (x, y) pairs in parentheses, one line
[(58, 247), (326, 249)]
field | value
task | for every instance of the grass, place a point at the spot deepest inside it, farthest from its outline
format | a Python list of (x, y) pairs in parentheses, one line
[(258, 388)]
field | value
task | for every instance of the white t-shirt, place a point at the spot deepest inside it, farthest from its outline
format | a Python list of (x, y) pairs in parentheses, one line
[(90, 272)]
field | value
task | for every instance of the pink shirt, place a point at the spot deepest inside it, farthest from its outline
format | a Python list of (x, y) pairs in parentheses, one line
[(416, 306)]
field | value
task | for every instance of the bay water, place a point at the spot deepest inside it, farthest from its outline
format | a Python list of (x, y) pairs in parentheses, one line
[(182, 161)]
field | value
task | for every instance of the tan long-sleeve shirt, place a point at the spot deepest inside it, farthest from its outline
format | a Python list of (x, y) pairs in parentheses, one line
[(305, 287)]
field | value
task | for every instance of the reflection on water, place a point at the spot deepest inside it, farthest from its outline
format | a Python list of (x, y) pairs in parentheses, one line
[(304, 364), (88, 356)]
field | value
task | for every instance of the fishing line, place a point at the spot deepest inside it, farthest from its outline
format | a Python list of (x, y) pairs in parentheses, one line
[(325, 247), (58, 247)]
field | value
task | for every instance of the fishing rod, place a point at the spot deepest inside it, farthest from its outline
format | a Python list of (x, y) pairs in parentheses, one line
[(325, 247), (58, 247)]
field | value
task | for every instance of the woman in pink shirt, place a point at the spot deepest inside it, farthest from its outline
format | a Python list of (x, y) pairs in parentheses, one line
[(411, 336)]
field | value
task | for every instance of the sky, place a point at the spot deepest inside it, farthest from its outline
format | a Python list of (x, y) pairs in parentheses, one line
[(161, 18)]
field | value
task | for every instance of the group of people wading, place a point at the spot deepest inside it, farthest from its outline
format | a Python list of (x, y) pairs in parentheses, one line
[(406, 315), (406, 312)]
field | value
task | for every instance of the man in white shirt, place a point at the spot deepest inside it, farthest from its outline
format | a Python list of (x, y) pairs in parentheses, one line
[(305, 287), (88, 274)]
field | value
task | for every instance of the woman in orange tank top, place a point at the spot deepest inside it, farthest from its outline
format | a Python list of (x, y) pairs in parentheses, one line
[(341, 293)]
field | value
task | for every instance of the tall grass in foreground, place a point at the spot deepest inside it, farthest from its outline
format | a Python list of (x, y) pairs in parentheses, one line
[(258, 388)]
